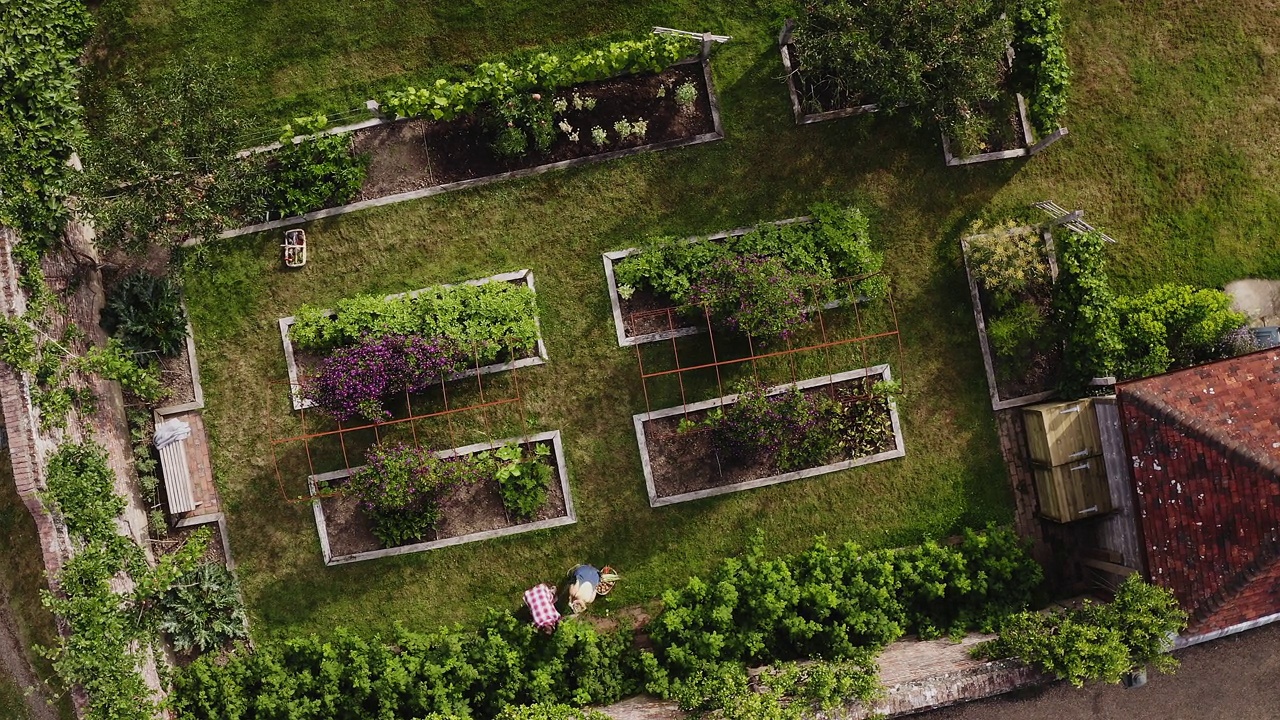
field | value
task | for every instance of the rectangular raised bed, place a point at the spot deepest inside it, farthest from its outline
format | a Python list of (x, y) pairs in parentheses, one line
[(615, 301), (988, 363), (789, 65), (526, 276), (193, 370), (570, 516), (639, 420), (717, 133)]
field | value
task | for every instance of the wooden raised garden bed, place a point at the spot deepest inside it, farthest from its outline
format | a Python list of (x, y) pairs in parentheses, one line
[(469, 513), (643, 317), (1014, 387), (416, 158), (298, 362), (796, 86), (181, 377), (684, 466)]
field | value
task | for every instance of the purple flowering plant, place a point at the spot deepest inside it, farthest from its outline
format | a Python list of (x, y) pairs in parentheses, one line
[(791, 430), (400, 487), (354, 381)]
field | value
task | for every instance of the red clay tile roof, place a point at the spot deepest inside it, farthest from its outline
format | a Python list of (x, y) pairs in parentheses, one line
[(1204, 444)]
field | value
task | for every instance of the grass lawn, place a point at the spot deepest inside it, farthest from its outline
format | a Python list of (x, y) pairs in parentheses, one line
[(1172, 149)]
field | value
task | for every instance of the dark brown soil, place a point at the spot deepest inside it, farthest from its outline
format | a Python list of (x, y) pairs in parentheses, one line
[(643, 313), (177, 537), (684, 462), (415, 154), (464, 510), (175, 374)]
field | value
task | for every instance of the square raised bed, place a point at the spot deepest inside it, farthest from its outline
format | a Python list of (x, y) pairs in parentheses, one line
[(679, 468), (795, 80), (524, 277), (346, 537)]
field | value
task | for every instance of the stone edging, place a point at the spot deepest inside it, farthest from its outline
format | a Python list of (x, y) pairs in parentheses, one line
[(295, 381), (997, 402), (570, 517), (198, 391), (788, 64), (615, 302), (654, 501), (716, 134)]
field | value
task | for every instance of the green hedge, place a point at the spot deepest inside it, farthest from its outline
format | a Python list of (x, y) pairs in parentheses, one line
[(838, 604), (489, 318)]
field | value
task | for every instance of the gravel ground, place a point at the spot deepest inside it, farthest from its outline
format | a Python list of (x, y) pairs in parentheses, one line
[(1235, 678)]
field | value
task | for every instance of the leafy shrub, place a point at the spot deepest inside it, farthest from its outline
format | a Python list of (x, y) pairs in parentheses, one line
[(202, 611), (1041, 72), (82, 488), (941, 61), (145, 312), (482, 320), (753, 294), (833, 603), (355, 381), (492, 84), (1173, 326), (812, 262), (1017, 333), (318, 172), (787, 691), (400, 487), (1008, 261), (1085, 311), (1096, 642), (522, 476), (505, 663)]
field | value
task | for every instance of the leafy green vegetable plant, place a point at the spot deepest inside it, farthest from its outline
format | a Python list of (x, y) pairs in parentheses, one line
[(319, 171), (522, 477), (145, 312), (1040, 67), (202, 611)]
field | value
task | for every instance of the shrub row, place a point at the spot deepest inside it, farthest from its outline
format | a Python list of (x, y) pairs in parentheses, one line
[(493, 83), (839, 604), (485, 321), (1095, 642), (834, 602), (412, 675), (762, 282)]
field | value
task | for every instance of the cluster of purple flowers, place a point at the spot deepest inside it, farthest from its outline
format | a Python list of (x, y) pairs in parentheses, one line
[(754, 294), (400, 486), (353, 381)]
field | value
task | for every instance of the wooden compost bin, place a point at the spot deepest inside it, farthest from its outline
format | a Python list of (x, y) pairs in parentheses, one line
[(1066, 450)]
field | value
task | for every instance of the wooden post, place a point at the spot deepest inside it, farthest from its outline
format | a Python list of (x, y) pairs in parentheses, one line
[(1053, 137), (706, 45)]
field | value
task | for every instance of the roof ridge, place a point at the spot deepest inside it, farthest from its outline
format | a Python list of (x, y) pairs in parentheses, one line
[(1157, 406)]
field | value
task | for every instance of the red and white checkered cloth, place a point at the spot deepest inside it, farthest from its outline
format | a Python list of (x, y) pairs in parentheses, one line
[(542, 603)]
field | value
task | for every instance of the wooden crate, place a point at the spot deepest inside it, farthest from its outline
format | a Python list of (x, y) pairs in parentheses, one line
[(1062, 432), (1074, 491)]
